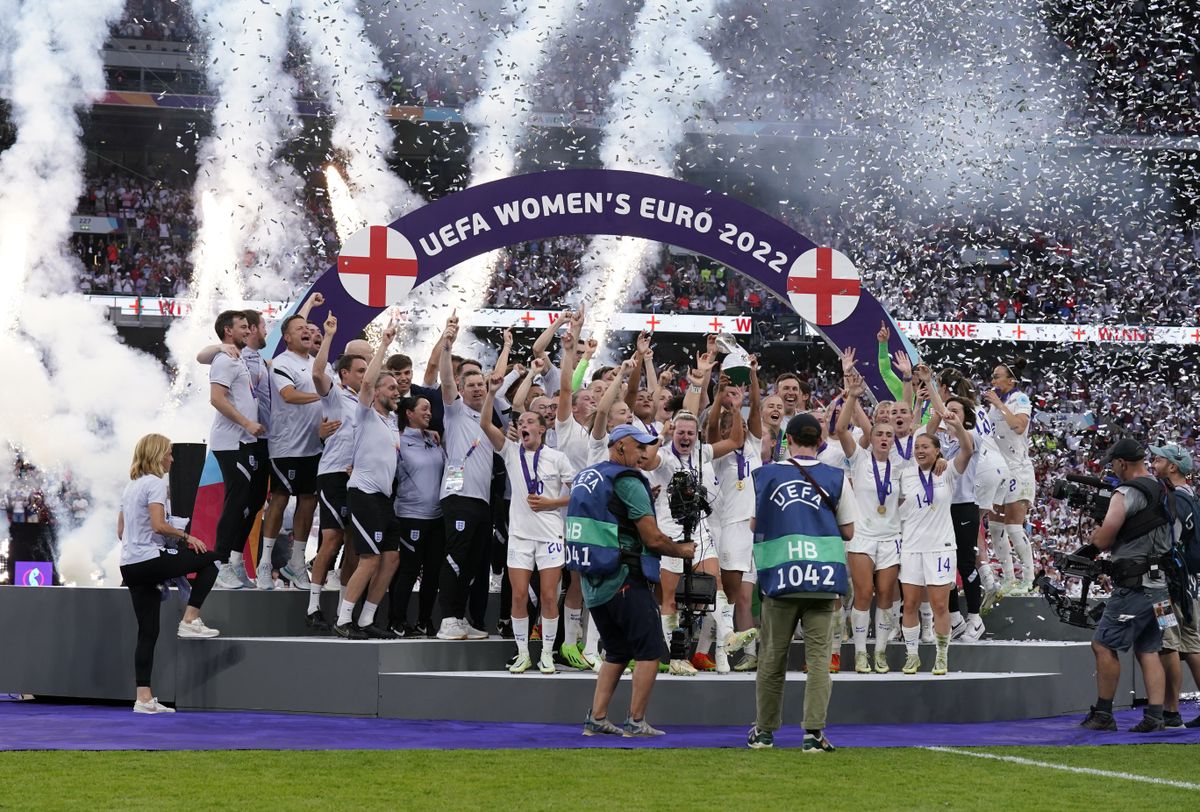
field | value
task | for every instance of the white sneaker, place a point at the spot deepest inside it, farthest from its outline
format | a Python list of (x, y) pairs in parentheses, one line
[(153, 706), (736, 641), (958, 629), (195, 629), (452, 629), (722, 660), (593, 659), (263, 576), (927, 635), (682, 668), (227, 578), (520, 665), (974, 632), (297, 577), (546, 662), (240, 571), (473, 633), (333, 582)]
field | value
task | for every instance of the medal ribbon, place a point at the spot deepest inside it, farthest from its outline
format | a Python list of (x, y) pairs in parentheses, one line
[(532, 485), (926, 484), (881, 486)]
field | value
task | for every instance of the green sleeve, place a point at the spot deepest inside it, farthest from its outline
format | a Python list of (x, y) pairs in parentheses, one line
[(894, 384), (577, 378), (633, 494)]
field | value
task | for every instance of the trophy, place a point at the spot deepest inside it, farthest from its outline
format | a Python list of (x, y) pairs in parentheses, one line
[(736, 365)]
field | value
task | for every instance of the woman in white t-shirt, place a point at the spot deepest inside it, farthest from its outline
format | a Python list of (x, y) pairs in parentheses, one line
[(540, 480), (873, 555), (928, 552), (1010, 414), (144, 526)]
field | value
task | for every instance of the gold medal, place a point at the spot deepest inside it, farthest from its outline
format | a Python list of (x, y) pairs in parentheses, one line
[(881, 510), (741, 486)]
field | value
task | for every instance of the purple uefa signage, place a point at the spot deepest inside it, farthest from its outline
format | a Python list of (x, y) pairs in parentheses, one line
[(33, 573), (379, 265)]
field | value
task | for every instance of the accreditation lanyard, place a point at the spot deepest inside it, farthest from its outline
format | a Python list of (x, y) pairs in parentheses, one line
[(533, 485)]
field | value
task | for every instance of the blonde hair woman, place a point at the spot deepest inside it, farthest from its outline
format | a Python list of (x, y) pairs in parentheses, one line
[(144, 526)]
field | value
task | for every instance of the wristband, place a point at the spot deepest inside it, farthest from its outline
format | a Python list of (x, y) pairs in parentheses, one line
[(694, 389)]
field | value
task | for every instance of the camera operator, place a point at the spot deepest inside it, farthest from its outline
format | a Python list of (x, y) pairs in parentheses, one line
[(1173, 463), (1136, 532), (614, 542)]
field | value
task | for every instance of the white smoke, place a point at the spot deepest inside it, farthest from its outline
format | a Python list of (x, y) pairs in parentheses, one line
[(74, 407), (346, 69), (669, 81), (252, 236)]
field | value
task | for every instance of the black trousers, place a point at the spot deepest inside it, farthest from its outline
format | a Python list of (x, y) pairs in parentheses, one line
[(260, 480), (468, 525), (237, 479), (498, 563), (421, 556), (143, 579), (965, 517)]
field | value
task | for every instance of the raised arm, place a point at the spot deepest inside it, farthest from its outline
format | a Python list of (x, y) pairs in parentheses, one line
[(635, 375), (445, 363), (495, 381), (316, 300), (366, 392), (754, 418), (542, 344), (505, 351), (966, 443), (854, 390), (712, 426), (434, 364), (521, 396), (321, 362), (565, 373), (611, 394), (651, 375), (905, 366), (736, 438), (698, 378), (582, 365), (924, 376), (885, 362)]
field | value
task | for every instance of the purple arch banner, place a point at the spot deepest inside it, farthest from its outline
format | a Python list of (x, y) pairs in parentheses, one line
[(379, 265)]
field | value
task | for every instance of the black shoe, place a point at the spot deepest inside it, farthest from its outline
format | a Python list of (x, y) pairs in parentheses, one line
[(1149, 724), (1172, 720), (403, 631), (504, 629), (349, 631), (1099, 720), (425, 628), (1195, 723), (378, 632), (316, 621)]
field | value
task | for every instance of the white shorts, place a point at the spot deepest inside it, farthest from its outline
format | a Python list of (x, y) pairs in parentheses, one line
[(735, 547), (991, 484), (705, 549), (884, 552), (524, 553), (928, 569), (1022, 487)]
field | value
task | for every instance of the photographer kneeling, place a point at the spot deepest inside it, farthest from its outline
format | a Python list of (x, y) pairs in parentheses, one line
[(1137, 533)]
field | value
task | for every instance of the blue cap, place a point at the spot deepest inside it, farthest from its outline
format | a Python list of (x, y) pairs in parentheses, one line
[(629, 430), (1172, 452)]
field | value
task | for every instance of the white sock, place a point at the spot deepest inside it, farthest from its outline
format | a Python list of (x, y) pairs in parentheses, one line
[(268, 548), (974, 619), (591, 643), (669, 624), (955, 619), (926, 612), (314, 597), (986, 576), (235, 561), (707, 635), (751, 648), (345, 613), (883, 627), (297, 561), (520, 626), (912, 637), (837, 630), (861, 618), (1020, 543), (573, 626), (367, 616), (943, 643), (723, 619), (549, 632), (1002, 549)]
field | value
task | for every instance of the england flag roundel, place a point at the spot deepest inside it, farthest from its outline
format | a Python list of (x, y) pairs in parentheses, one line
[(823, 286), (377, 266)]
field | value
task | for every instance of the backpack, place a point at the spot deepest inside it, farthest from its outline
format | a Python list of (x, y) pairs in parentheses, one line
[(1187, 507)]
